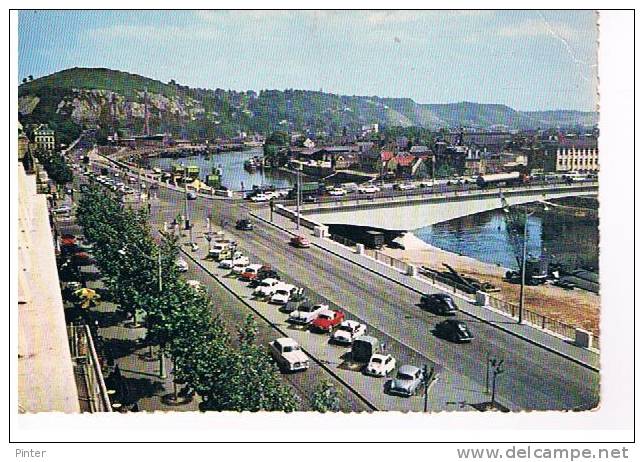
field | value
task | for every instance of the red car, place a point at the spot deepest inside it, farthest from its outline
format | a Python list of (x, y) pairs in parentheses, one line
[(67, 239), (327, 320), (300, 242)]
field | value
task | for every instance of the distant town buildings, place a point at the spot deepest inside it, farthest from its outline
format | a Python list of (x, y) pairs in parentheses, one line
[(44, 139)]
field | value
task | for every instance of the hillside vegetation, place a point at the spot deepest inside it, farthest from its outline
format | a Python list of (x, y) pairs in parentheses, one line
[(108, 99)]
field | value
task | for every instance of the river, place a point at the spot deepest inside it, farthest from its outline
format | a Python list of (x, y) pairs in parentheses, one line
[(484, 236), (234, 176)]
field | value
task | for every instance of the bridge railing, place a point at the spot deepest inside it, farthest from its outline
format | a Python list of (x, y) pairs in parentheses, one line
[(435, 191), (536, 319)]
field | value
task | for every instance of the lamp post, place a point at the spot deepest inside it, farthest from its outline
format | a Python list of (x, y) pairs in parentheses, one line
[(123, 251), (524, 249)]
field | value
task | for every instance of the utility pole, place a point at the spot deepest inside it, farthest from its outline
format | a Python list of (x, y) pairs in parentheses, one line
[(299, 192), (428, 376), (185, 199), (525, 247), (162, 373), (496, 370)]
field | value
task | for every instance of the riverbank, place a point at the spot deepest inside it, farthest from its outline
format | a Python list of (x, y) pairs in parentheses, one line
[(576, 307)]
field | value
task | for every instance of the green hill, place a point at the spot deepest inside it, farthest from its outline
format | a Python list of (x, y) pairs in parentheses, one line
[(109, 99)]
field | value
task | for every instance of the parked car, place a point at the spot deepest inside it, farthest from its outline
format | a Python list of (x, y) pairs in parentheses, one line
[(244, 225), (264, 273), (241, 260), (293, 305), (229, 262), (250, 272), (309, 199), (363, 348), (306, 313), (426, 184), (454, 330), (380, 365), (289, 355), (182, 265), (283, 293), (261, 197), (404, 186), (338, 192), (407, 381), (368, 189), (239, 267), (62, 210), (327, 320), (348, 331), (439, 303), (300, 242), (266, 288)]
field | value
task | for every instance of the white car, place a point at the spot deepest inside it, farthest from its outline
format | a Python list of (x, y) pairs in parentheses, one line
[(272, 194), (182, 265), (282, 294), (305, 314), (239, 268), (289, 355), (380, 365), (230, 263), (260, 198), (404, 186), (347, 331), (267, 287), (338, 192), (368, 189)]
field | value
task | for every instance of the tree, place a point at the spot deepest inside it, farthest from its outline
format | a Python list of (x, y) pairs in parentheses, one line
[(325, 398), (31, 77), (249, 380), (24, 80)]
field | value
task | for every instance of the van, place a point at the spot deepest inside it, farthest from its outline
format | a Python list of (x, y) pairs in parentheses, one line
[(363, 348)]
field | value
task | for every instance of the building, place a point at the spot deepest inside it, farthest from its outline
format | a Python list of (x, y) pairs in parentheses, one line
[(44, 139), (572, 155), (45, 371)]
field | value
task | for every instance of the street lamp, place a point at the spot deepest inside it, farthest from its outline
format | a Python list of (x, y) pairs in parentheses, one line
[(123, 251), (524, 249)]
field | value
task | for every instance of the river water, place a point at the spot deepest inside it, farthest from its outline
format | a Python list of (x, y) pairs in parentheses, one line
[(484, 236), (234, 176)]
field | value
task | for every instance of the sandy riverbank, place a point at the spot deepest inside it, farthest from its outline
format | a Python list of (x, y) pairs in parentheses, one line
[(577, 307)]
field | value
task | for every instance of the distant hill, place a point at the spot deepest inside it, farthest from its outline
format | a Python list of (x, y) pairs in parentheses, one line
[(107, 98)]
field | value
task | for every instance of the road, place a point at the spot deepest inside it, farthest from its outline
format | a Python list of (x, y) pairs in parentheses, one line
[(534, 379)]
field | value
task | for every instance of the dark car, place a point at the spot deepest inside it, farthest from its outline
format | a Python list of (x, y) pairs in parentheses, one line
[(438, 303), (264, 274), (454, 330), (244, 225)]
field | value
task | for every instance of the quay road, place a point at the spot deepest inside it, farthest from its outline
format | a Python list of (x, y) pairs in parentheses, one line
[(234, 312), (534, 379)]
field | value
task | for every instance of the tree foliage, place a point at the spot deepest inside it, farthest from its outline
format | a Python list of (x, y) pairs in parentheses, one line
[(325, 398), (234, 376)]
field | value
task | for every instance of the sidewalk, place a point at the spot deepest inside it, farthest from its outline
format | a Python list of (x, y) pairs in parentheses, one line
[(126, 345), (587, 358)]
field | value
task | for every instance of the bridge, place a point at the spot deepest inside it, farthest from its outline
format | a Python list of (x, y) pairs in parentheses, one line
[(402, 213)]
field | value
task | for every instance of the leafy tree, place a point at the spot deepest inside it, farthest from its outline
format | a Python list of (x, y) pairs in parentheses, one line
[(250, 380), (325, 398)]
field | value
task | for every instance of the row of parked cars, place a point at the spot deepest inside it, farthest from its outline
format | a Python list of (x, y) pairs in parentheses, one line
[(365, 350)]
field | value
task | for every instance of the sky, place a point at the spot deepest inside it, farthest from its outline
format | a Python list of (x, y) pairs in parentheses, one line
[(528, 60)]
